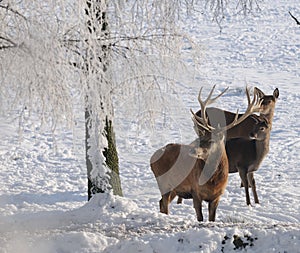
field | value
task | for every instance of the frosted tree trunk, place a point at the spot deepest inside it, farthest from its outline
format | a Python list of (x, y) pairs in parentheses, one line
[(101, 153), (101, 182)]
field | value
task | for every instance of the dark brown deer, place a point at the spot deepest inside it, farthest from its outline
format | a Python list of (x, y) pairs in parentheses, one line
[(202, 177), (245, 156)]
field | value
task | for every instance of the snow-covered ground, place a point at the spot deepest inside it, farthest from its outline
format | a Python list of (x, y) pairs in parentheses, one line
[(43, 188)]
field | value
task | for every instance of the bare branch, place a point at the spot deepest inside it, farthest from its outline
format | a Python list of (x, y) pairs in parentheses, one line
[(8, 8), (297, 22), (6, 43)]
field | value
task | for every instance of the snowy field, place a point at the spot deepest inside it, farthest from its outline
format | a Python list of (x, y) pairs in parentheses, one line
[(43, 205)]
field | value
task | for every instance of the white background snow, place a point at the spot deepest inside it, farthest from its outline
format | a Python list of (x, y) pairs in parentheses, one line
[(43, 205)]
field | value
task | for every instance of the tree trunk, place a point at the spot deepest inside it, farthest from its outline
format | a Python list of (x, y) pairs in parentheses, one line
[(103, 174), (111, 158), (94, 186), (102, 183)]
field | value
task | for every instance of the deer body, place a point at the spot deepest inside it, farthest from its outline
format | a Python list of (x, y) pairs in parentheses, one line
[(245, 157), (184, 179), (248, 130), (240, 149)]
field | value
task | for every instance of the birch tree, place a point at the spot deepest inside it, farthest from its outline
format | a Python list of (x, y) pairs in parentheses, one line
[(53, 53)]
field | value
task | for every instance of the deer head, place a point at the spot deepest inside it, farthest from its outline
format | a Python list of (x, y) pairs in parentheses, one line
[(210, 138), (261, 130), (268, 101)]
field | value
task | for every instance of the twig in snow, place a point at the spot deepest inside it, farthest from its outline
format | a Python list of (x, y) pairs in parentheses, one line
[(297, 22)]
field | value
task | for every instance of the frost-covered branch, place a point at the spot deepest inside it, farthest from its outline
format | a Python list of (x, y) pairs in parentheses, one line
[(8, 8), (46, 44), (6, 43), (219, 9)]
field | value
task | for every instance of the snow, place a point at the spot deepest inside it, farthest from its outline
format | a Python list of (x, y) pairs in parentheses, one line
[(43, 199)]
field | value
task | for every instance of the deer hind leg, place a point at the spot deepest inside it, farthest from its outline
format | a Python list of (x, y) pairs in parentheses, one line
[(243, 175), (165, 201), (212, 208), (198, 206), (251, 181)]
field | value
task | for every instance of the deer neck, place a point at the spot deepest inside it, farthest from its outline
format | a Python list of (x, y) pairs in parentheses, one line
[(217, 154), (262, 149), (269, 116)]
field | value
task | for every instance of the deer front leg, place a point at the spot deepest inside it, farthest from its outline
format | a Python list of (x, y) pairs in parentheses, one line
[(212, 208), (166, 199), (243, 175), (251, 181), (164, 203), (198, 207)]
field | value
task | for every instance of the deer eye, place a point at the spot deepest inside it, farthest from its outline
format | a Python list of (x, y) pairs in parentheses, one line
[(262, 129)]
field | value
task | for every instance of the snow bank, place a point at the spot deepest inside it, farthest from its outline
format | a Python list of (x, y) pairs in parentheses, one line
[(113, 224)]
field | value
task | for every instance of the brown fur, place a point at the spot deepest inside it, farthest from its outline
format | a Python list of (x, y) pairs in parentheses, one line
[(178, 169), (181, 173), (245, 156)]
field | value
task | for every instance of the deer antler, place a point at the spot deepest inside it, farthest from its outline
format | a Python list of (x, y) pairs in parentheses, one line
[(253, 106), (203, 121)]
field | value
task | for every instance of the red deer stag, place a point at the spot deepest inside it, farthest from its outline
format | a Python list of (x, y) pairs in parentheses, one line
[(179, 171)]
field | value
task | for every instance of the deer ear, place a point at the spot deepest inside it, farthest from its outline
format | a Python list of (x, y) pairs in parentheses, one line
[(259, 92), (256, 118), (265, 119), (276, 93)]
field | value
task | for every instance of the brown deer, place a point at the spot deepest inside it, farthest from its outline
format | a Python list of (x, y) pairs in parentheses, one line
[(245, 156), (203, 176)]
